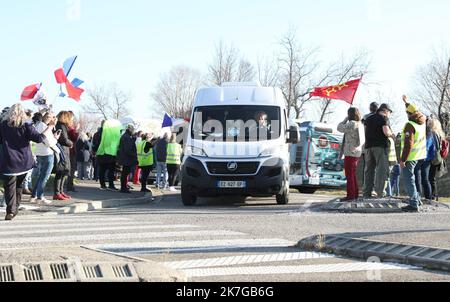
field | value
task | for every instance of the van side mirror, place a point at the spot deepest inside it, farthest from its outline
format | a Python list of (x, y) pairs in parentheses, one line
[(293, 135)]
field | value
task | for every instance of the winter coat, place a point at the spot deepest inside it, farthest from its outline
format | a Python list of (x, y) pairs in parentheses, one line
[(354, 138), (65, 143), (16, 156), (161, 150), (83, 151), (127, 154)]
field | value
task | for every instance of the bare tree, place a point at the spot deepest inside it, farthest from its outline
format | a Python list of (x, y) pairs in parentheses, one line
[(88, 122), (245, 71), (175, 91), (108, 101), (228, 65), (268, 71), (297, 67), (433, 87), (341, 72)]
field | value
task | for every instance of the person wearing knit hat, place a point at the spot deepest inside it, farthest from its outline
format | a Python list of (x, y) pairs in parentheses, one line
[(414, 150)]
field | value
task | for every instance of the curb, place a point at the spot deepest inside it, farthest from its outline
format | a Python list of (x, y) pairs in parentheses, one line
[(85, 207), (415, 255), (375, 206)]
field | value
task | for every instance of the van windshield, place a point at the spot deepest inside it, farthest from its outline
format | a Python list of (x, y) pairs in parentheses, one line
[(240, 123)]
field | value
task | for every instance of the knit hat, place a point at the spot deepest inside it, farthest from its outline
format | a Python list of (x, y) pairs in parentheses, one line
[(411, 109)]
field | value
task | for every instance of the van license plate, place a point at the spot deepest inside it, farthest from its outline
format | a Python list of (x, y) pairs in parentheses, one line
[(232, 184)]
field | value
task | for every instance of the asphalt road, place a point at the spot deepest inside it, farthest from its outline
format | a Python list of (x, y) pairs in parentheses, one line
[(227, 240)]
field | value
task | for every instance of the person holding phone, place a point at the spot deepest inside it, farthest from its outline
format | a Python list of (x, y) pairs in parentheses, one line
[(44, 153)]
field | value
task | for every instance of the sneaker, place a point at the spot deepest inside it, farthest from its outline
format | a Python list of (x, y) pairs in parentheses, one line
[(9, 217), (45, 201), (146, 191), (104, 188), (173, 189), (410, 209), (59, 197), (33, 200), (114, 189), (68, 197), (26, 192), (125, 191)]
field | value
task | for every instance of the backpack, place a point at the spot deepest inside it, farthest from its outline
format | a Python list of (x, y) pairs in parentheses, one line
[(445, 148)]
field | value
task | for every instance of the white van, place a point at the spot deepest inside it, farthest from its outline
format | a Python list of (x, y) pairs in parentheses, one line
[(238, 144)]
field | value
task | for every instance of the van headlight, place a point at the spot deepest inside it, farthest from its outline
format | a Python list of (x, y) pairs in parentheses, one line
[(271, 151), (194, 151)]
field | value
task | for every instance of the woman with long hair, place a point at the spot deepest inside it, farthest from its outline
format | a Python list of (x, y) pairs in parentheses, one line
[(65, 121), (436, 163), (17, 159), (352, 148)]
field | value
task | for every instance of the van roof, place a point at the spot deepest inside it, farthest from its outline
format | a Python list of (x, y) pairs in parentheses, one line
[(237, 94)]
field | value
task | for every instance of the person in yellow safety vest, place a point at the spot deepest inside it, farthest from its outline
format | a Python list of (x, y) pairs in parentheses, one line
[(174, 153), (393, 160), (414, 149), (146, 158)]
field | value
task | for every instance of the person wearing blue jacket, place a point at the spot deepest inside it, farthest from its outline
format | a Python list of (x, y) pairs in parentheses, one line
[(422, 170)]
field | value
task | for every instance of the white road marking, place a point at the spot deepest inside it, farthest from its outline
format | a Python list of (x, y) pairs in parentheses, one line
[(295, 270), (194, 246), (79, 225), (34, 220), (84, 229), (249, 259), (111, 237)]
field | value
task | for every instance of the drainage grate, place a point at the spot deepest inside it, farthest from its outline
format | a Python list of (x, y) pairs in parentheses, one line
[(122, 271), (33, 273), (92, 271), (6, 274), (60, 271)]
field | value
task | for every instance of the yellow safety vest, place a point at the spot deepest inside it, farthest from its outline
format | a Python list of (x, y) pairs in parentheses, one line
[(392, 152), (145, 159), (419, 150), (174, 154), (33, 148)]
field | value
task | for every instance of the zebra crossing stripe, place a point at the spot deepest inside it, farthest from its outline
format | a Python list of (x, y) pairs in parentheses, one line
[(248, 259), (97, 229), (112, 237), (194, 246), (21, 221), (12, 227), (294, 270)]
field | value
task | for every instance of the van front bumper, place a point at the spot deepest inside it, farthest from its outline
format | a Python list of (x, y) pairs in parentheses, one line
[(271, 179)]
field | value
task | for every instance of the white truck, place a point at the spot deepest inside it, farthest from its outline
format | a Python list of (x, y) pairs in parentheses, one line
[(238, 144)]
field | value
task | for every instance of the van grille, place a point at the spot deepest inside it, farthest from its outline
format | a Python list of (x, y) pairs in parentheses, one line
[(221, 168)]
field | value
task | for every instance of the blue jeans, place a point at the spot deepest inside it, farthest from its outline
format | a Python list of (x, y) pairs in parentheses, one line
[(410, 184), (395, 180), (43, 172), (161, 175), (28, 182), (423, 183)]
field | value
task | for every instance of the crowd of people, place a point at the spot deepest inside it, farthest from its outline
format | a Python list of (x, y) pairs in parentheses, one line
[(417, 153), (35, 146)]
